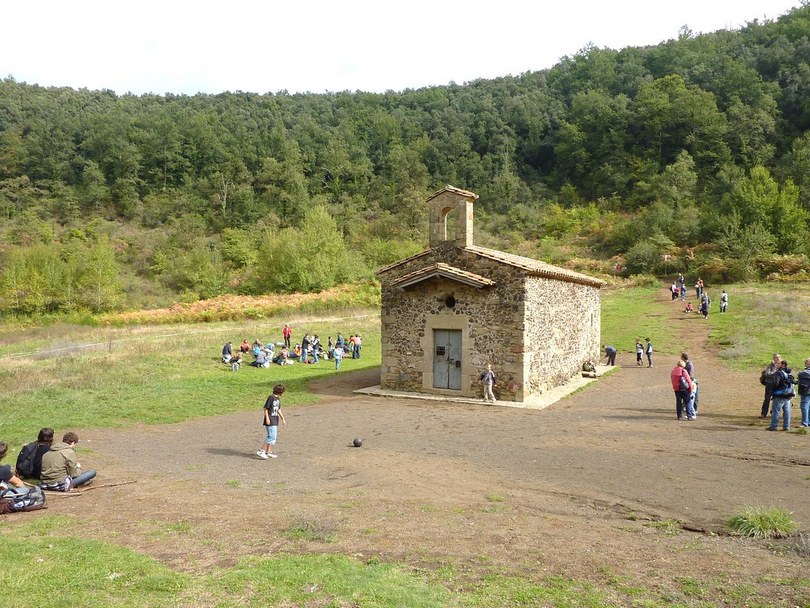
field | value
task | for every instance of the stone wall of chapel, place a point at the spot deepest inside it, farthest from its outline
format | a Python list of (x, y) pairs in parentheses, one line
[(563, 328), (492, 320)]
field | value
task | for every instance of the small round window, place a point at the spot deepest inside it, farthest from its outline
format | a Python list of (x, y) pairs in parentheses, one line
[(450, 302)]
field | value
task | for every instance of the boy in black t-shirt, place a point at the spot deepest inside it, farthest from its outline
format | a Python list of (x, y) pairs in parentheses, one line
[(272, 413)]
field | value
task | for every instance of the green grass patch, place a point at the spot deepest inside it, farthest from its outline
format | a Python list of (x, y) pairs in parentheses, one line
[(633, 313), (494, 591), (74, 572), (326, 580), (667, 526), (82, 377), (763, 522), (95, 574), (762, 319)]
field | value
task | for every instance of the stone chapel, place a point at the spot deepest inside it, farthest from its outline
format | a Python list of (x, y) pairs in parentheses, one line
[(450, 310)]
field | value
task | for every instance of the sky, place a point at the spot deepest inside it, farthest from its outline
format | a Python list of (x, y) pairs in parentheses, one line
[(186, 47)]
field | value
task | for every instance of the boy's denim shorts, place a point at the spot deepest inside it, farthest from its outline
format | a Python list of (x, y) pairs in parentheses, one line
[(272, 432)]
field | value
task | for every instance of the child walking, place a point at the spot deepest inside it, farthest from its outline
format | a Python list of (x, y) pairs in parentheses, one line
[(272, 414)]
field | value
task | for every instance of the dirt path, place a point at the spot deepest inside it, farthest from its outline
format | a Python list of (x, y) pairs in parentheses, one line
[(575, 489)]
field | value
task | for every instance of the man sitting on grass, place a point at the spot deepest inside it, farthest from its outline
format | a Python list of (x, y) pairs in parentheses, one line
[(60, 471)]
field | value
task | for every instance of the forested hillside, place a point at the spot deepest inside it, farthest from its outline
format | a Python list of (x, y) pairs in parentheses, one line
[(698, 148)]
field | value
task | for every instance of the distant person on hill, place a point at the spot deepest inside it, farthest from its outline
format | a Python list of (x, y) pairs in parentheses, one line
[(682, 286), (227, 352), (337, 353), (649, 352), (704, 306), (673, 290), (689, 307), (244, 347), (639, 352), (60, 471), (723, 301), (236, 362), (610, 353), (682, 385), (358, 344), (286, 333), (29, 461), (804, 392)]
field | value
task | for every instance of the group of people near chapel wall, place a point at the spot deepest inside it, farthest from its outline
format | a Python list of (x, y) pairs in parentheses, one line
[(52, 463), (309, 351)]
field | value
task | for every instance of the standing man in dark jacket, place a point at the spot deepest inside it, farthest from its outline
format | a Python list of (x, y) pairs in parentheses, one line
[(767, 378)]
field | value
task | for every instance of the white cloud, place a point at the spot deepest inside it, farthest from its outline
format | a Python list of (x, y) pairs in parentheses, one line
[(186, 47)]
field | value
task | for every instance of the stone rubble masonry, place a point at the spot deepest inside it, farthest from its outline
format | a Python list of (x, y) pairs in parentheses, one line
[(535, 330)]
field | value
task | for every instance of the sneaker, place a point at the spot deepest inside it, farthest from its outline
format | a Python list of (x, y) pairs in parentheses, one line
[(262, 454), (770, 429), (271, 455), (690, 417)]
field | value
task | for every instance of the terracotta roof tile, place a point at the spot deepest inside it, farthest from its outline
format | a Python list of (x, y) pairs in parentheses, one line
[(441, 269), (535, 267)]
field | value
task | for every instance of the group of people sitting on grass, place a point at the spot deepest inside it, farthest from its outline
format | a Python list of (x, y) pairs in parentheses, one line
[(51, 463), (309, 351)]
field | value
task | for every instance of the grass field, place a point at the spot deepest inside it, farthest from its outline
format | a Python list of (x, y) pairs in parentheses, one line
[(89, 377), (80, 377)]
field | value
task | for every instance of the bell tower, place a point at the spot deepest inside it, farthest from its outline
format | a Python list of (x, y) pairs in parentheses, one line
[(457, 206)]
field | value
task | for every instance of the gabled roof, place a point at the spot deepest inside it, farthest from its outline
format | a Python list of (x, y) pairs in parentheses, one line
[(465, 193), (446, 271), (532, 267), (535, 267), (403, 261)]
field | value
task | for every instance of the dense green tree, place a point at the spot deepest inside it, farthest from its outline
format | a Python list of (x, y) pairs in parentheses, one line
[(663, 142)]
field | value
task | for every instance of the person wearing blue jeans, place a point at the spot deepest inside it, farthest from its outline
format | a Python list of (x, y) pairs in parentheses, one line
[(60, 471), (804, 392), (683, 386), (780, 403)]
